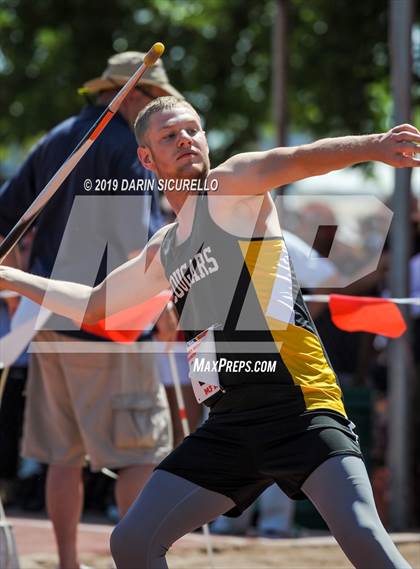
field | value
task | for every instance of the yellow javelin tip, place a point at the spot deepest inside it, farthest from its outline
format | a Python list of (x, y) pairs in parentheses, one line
[(153, 54)]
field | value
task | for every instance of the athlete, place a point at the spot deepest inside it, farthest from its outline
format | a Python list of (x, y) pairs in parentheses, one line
[(276, 409)]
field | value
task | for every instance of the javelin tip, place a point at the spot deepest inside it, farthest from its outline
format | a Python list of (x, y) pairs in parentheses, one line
[(153, 54)]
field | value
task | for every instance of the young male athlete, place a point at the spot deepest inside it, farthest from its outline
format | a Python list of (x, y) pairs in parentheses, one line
[(277, 414)]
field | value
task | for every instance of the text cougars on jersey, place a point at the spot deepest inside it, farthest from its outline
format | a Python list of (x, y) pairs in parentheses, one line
[(197, 268)]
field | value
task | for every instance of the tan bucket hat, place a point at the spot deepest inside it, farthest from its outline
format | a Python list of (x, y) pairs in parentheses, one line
[(120, 68)]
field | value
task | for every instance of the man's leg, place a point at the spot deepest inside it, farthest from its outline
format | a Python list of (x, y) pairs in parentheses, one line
[(52, 436), (64, 505), (131, 481), (341, 491), (168, 508)]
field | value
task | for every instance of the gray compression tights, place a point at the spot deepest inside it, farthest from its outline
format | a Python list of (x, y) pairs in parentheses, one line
[(170, 506)]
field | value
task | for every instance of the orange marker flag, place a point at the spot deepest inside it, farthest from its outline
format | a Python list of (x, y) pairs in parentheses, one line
[(127, 325), (367, 314)]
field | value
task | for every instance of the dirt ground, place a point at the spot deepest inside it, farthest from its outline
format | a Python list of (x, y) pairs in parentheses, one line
[(288, 557), (258, 555), (35, 543)]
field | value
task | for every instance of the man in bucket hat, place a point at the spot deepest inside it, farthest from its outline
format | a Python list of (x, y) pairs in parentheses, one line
[(108, 405), (120, 68)]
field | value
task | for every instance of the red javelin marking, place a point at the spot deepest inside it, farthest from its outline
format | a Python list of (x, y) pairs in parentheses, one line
[(201, 335), (101, 125), (182, 413)]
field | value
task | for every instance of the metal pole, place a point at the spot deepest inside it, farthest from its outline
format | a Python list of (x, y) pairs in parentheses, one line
[(400, 24), (279, 71)]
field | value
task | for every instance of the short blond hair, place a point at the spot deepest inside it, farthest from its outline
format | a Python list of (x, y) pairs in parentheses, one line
[(156, 106)]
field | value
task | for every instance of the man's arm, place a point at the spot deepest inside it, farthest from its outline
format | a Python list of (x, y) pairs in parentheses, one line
[(130, 284), (254, 173)]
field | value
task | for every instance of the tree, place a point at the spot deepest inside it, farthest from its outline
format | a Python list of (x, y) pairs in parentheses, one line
[(339, 66), (218, 54)]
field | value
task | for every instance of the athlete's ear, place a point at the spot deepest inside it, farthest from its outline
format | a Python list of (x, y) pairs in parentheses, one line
[(146, 158)]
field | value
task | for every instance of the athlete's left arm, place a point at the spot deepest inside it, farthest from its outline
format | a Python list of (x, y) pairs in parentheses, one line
[(254, 173)]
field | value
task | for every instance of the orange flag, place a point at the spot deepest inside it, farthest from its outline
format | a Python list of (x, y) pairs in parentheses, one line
[(127, 325), (366, 314)]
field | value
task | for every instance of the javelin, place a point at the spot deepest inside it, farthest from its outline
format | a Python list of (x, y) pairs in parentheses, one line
[(49, 190)]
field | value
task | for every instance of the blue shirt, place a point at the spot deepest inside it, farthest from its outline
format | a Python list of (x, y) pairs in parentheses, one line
[(113, 156)]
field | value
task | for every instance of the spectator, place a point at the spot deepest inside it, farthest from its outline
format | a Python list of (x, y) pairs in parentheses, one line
[(107, 405)]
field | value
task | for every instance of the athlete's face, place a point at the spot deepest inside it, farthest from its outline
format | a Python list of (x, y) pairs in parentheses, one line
[(176, 145)]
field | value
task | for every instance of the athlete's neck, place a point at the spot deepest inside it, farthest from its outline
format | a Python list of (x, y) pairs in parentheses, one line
[(177, 199)]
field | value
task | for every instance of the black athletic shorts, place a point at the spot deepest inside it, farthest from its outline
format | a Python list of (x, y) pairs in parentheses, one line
[(239, 454)]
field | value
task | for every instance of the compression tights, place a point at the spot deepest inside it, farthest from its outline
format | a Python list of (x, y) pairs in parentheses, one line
[(170, 506)]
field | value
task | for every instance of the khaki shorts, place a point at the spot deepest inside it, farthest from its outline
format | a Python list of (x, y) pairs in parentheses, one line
[(109, 406)]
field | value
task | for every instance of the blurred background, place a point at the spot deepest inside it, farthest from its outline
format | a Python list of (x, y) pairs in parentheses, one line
[(220, 54), (262, 73)]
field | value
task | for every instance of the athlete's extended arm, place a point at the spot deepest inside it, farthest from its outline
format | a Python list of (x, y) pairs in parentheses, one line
[(257, 172), (130, 284)]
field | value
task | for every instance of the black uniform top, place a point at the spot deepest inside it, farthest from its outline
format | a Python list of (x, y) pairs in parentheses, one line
[(244, 290)]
